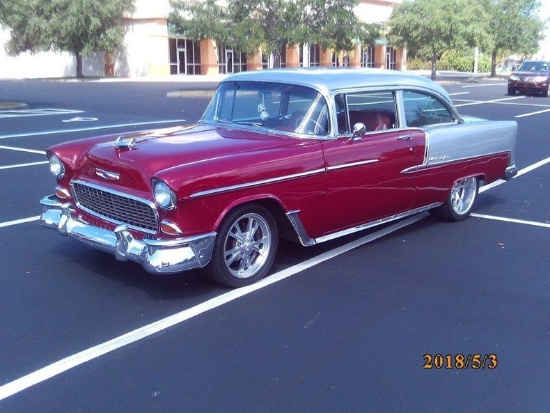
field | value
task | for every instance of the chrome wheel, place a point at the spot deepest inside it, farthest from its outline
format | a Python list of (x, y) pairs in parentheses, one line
[(459, 202), (247, 245), (463, 195)]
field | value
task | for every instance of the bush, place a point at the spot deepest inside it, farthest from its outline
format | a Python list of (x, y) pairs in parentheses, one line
[(453, 60)]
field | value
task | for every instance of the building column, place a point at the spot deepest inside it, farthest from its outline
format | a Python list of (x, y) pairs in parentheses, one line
[(209, 58), (355, 56), (254, 62)]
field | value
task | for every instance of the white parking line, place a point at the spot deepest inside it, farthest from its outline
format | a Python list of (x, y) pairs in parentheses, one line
[(13, 148), (20, 113), (483, 102), (512, 220), (75, 360), (45, 373), (55, 132), (533, 113), (483, 85), (23, 165), (19, 221)]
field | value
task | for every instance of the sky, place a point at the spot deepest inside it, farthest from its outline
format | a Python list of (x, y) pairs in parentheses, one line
[(544, 51)]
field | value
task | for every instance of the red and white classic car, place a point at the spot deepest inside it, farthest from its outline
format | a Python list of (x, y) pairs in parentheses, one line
[(307, 155)]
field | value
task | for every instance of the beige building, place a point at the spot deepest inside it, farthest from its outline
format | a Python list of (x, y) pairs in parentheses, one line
[(152, 49)]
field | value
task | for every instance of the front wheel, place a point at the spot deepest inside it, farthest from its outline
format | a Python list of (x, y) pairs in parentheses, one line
[(459, 202), (245, 247)]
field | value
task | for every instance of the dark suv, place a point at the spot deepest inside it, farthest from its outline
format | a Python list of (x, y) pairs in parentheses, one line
[(532, 76)]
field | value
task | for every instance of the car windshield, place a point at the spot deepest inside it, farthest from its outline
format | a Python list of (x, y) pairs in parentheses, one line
[(533, 67), (275, 106)]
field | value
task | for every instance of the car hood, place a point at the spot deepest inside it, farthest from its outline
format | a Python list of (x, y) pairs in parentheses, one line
[(133, 159), (530, 74)]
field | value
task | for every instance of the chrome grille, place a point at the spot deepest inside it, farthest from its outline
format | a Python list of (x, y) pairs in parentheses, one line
[(116, 207)]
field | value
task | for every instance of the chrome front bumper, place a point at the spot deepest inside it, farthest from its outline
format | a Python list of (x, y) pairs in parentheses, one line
[(156, 256)]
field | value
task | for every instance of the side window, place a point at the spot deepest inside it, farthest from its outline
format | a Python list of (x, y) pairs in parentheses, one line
[(375, 110), (422, 109)]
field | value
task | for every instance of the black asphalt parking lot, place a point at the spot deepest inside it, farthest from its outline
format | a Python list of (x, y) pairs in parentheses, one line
[(395, 319)]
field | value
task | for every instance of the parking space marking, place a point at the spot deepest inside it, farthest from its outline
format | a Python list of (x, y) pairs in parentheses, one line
[(22, 113), (483, 85), (19, 221), (532, 113), (23, 165), (13, 148), (75, 360), (512, 220), (123, 125), (483, 102)]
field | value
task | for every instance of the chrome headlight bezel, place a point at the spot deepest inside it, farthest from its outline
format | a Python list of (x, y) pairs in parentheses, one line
[(56, 166), (164, 196), (514, 78)]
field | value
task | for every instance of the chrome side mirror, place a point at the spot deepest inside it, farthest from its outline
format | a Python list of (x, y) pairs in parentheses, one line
[(359, 129)]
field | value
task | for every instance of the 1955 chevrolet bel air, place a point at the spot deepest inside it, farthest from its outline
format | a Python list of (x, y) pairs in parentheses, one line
[(307, 155)]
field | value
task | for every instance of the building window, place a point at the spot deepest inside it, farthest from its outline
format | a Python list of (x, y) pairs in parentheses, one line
[(314, 55), (231, 61), (185, 57), (367, 58), (310, 55), (391, 58)]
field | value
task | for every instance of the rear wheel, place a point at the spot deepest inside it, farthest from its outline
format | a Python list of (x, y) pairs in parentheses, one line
[(459, 202), (245, 247)]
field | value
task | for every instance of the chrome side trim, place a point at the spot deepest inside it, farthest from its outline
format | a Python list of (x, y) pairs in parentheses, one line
[(256, 183), (351, 165), (447, 161), (156, 256), (306, 241), (301, 232)]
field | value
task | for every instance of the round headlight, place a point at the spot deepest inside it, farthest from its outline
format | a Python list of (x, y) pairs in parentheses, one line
[(164, 196), (56, 166), (514, 77)]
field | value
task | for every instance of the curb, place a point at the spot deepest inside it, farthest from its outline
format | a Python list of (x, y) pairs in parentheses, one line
[(4, 106)]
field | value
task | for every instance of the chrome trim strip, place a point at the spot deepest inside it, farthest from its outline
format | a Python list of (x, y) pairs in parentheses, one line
[(428, 165), (102, 173), (152, 205), (306, 241), (256, 183), (351, 165), (301, 232)]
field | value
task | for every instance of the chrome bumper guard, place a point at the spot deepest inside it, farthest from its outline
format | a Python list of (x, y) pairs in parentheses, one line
[(156, 256), (510, 172)]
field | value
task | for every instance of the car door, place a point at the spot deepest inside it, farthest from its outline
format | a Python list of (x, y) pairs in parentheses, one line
[(367, 172)]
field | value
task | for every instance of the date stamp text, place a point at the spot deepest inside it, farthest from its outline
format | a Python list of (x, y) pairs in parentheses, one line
[(460, 361)]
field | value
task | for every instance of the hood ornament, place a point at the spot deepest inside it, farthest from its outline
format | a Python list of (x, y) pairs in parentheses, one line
[(123, 142)]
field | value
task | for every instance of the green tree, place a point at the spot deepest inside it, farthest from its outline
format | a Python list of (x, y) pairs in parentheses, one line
[(79, 27), (269, 25), (245, 25), (332, 24), (428, 28), (514, 26)]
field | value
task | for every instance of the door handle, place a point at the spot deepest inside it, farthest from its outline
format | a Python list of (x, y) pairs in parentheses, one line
[(405, 138)]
